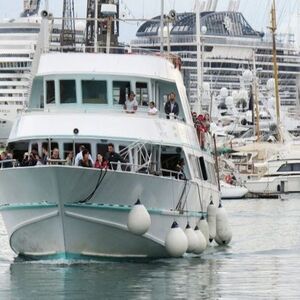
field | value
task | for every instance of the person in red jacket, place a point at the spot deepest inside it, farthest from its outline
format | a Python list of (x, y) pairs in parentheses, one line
[(100, 162)]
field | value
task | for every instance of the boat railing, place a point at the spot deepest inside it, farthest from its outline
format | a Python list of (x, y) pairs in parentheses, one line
[(8, 163), (142, 111), (146, 168), (124, 49)]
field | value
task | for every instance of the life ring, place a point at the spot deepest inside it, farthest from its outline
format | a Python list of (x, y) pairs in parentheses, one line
[(228, 179)]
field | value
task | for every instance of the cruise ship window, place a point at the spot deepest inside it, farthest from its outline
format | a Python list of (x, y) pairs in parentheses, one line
[(94, 92), (120, 91), (67, 91), (50, 95), (142, 93)]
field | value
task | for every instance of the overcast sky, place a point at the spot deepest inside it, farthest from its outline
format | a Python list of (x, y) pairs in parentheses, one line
[(255, 11)]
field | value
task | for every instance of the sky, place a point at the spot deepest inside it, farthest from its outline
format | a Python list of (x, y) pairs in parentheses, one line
[(256, 12)]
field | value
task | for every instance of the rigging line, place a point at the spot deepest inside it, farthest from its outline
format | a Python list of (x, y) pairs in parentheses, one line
[(99, 181)]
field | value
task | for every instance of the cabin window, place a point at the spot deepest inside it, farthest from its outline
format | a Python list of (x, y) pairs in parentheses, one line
[(94, 92), (68, 147), (50, 92), (67, 91), (212, 173), (296, 167), (195, 166), (285, 168), (142, 93), (203, 168), (121, 90), (102, 149)]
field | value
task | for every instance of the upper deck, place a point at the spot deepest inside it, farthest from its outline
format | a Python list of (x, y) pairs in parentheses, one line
[(96, 82)]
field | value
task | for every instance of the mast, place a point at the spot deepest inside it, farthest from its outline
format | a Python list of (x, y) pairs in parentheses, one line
[(67, 38), (199, 60), (162, 27), (275, 67), (255, 85)]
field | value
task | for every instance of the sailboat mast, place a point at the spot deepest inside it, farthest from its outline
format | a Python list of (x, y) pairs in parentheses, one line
[(256, 90), (275, 66), (198, 107)]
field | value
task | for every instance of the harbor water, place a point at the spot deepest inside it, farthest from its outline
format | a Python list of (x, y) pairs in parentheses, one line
[(262, 262)]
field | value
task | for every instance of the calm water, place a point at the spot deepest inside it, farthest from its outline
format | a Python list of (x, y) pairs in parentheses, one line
[(262, 262)]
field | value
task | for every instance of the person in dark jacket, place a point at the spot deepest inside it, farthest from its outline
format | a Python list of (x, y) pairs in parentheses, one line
[(172, 107), (85, 161), (112, 157)]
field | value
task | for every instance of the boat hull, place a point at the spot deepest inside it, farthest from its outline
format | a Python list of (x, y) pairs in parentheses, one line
[(55, 211), (271, 186)]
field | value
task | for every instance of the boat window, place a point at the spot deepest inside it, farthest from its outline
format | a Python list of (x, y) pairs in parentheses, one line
[(120, 91), (203, 168), (285, 168), (68, 147), (50, 94), (102, 149), (195, 166), (142, 93), (94, 92), (67, 91), (296, 167), (212, 173)]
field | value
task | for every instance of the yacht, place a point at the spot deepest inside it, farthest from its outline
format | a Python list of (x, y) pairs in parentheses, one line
[(282, 175), (66, 211)]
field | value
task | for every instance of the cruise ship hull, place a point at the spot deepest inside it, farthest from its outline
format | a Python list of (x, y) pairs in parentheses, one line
[(57, 211)]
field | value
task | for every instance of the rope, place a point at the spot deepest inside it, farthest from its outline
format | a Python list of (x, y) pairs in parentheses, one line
[(99, 181)]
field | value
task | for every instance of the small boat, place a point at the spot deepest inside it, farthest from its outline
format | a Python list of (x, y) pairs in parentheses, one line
[(229, 191)]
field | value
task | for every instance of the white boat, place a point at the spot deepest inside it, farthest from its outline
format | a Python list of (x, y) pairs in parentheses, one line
[(53, 211), (282, 176), (229, 191)]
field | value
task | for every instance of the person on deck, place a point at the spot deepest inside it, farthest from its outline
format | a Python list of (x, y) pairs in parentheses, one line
[(172, 107), (112, 157), (131, 105), (85, 161)]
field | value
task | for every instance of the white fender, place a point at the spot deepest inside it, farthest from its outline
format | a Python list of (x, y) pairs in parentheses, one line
[(224, 233), (192, 238), (176, 241), (139, 220), (201, 245), (211, 220), (203, 226)]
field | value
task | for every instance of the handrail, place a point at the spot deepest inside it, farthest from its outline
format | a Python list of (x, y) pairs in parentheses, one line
[(12, 163)]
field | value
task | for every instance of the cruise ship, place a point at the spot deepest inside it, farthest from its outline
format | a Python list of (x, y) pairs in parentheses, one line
[(18, 40), (231, 46)]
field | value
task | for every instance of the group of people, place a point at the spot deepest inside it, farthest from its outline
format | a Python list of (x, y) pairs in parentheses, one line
[(171, 106), (202, 125), (109, 161)]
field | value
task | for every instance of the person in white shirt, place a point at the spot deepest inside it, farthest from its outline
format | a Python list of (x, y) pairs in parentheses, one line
[(79, 156), (152, 109), (131, 105)]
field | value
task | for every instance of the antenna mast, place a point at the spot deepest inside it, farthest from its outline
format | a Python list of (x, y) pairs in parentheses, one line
[(67, 38), (98, 29)]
